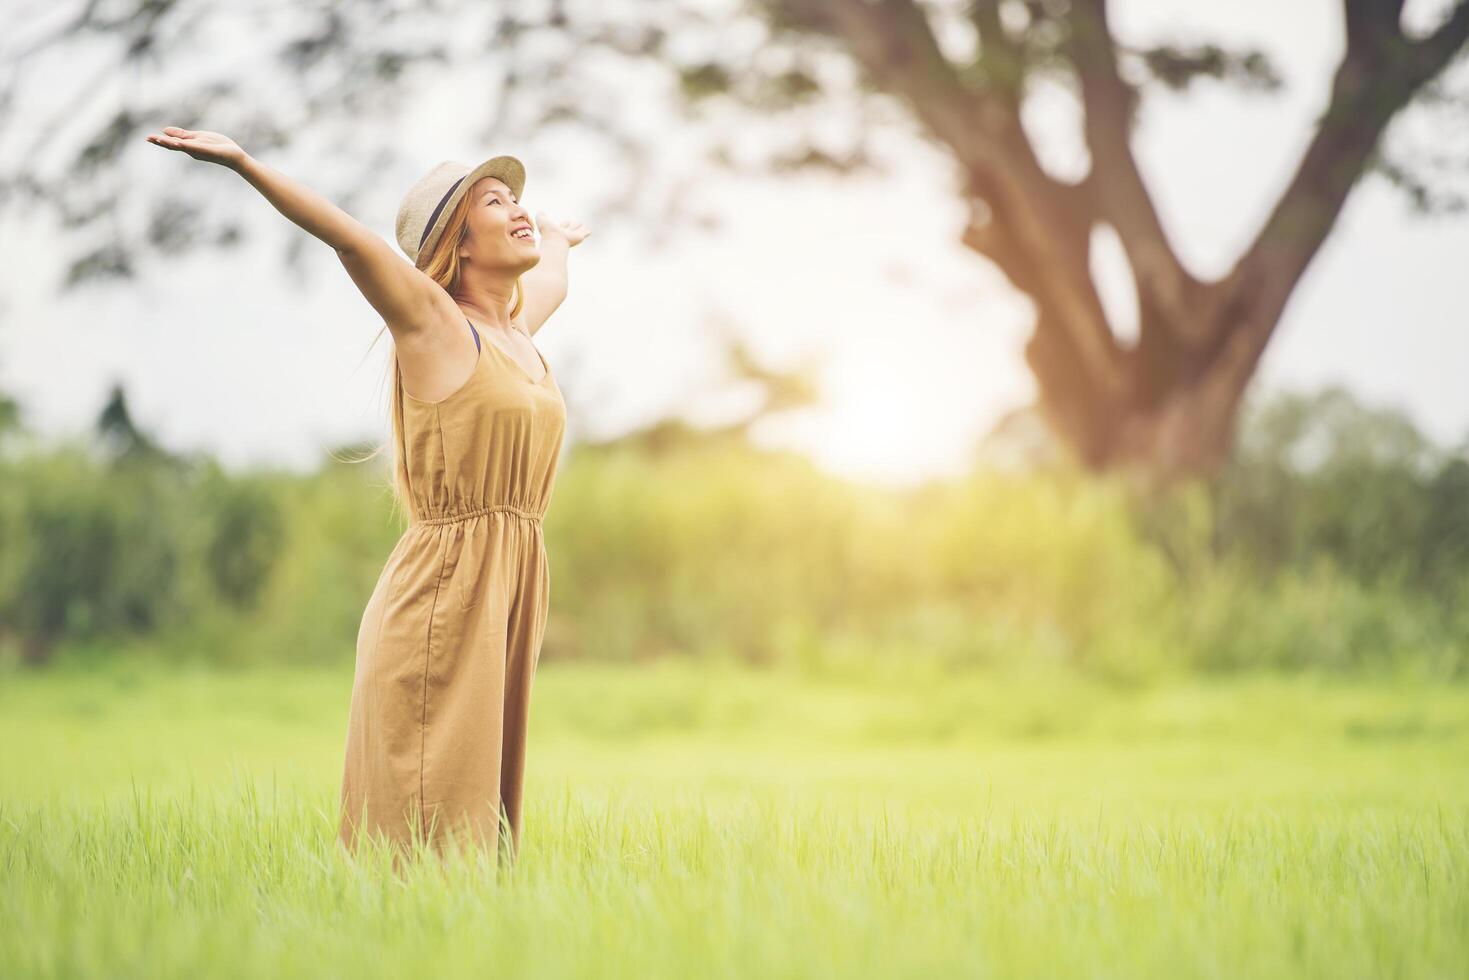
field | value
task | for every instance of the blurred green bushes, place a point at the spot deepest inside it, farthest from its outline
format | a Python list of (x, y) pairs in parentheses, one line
[(1338, 540)]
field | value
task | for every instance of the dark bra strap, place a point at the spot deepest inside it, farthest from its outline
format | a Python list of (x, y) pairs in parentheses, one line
[(476, 336)]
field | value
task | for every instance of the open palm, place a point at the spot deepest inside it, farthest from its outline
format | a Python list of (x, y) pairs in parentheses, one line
[(572, 231), (200, 144)]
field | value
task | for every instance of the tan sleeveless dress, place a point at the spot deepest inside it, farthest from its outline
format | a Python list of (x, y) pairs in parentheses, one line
[(449, 641)]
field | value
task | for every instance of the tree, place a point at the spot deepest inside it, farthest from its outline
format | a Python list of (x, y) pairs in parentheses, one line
[(118, 437), (1169, 402)]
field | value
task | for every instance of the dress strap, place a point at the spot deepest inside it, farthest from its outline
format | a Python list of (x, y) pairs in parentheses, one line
[(476, 335)]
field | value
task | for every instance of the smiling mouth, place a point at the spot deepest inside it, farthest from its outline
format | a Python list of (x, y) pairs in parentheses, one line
[(526, 236)]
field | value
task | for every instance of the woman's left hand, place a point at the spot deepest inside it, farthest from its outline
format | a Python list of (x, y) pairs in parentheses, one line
[(573, 231)]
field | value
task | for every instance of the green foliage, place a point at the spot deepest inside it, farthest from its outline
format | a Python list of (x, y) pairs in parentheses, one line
[(247, 534), (1322, 478), (130, 547), (1338, 540), (86, 550)]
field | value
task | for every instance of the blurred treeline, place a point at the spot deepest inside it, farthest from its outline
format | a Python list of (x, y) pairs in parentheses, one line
[(1338, 539)]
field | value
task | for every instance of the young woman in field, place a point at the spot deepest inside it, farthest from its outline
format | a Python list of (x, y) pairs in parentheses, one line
[(451, 635)]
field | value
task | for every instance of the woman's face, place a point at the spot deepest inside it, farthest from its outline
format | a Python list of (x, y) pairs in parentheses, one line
[(494, 240)]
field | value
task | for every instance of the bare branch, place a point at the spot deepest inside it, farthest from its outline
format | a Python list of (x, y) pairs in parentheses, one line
[(1115, 182), (1041, 217), (1379, 75), (1433, 53), (894, 42), (1369, 21)]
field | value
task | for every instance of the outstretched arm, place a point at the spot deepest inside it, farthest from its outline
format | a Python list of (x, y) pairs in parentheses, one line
[(547, 283), (406, 298)]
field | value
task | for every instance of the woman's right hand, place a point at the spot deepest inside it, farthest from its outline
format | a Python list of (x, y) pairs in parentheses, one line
[(201, 145)]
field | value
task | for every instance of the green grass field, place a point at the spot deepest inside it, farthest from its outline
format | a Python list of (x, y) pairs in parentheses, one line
[(700, 821)]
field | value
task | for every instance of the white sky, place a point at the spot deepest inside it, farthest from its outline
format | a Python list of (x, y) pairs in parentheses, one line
[(919, 341)]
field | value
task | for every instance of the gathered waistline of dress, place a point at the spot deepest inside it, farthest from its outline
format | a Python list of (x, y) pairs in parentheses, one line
[(465, 515)]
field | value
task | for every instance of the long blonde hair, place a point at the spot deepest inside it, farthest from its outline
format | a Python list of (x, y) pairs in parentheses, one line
[(442, 268)]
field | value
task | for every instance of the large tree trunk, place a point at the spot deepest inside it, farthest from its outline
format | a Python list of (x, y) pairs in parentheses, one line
[(1172, 416)]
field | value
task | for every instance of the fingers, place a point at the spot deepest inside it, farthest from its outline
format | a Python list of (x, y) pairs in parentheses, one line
[(175, 137)]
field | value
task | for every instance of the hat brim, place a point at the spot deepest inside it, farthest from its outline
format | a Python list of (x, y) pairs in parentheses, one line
[(507, 168)]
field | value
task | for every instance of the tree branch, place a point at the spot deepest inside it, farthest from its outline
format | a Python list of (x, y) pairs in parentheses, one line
[(1004, 64), (893, 41), (1115, 181), (1042, 218), (1379, 75), (1432, 54)]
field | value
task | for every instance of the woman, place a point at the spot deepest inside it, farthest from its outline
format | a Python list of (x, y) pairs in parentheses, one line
[(449, 641)]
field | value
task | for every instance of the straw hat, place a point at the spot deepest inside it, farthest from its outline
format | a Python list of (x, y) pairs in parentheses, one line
[(429, 202)]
